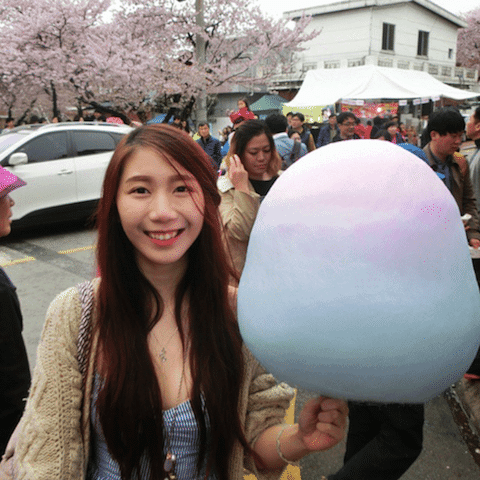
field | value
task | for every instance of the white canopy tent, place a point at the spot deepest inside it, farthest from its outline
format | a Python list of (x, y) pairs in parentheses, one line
[(328, 86)]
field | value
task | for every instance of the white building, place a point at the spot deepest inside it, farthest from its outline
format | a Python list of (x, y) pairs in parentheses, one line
[(408, 34)]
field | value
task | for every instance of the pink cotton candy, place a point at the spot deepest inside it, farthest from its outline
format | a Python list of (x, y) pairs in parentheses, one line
[(358, 281)]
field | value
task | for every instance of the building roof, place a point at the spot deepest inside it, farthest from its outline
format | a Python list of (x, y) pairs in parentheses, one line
[(268, 102), (357, 4), (327, 86)]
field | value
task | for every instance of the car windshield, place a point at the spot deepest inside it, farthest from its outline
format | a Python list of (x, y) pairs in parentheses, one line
[(8, 139)]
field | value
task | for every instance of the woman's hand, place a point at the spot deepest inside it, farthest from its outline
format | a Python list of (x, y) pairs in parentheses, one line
[(12, 443), (474, 242), (322, 423), (238, 175)]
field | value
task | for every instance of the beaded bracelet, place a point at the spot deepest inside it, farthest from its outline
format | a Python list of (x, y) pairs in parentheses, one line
[(279, 452)]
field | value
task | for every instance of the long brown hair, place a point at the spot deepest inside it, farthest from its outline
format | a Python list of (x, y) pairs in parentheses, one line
[(129, 403), (244, 133)]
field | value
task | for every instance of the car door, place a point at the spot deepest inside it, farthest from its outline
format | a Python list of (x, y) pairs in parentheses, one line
[(49, 173), (94, 150)]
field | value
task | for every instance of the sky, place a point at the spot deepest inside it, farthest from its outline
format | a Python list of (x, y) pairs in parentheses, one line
[(277, 7)]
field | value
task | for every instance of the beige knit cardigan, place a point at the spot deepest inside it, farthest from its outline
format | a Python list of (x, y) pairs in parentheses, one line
[(54, 433)]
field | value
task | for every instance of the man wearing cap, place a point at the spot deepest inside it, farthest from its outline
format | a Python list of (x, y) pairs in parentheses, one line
[(14, 369)]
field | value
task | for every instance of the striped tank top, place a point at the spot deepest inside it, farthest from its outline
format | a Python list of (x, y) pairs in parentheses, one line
[(184, 444)]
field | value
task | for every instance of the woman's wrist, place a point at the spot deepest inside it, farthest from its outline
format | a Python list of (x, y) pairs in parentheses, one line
[(290, 447), (279, 445)]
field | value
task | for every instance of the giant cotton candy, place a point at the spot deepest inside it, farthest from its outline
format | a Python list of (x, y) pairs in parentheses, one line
[(358, 281)]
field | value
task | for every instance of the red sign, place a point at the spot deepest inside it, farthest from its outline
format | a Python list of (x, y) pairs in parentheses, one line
[(371, 110)]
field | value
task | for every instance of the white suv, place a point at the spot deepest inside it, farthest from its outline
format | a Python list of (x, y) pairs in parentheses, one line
[(63, 165)]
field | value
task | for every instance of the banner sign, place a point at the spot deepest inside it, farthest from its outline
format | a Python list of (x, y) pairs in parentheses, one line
[(370, 110)]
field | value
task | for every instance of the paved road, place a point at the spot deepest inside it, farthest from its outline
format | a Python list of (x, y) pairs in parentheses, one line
[(42, 264)]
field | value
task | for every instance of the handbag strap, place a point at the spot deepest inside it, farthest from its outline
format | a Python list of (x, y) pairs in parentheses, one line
[(84, 344)]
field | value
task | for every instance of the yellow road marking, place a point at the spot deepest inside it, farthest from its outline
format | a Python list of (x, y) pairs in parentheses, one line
[(16, 262), (291, 472), (73, 250), (31, 259)]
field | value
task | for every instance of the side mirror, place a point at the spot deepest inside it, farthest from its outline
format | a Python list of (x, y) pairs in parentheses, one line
[(18, 159)]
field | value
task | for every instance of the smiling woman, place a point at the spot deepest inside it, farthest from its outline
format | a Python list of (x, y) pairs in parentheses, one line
[(158, 383), (160, 205)]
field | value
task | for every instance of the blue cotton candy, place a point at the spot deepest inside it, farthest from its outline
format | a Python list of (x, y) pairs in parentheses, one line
[(358, 282)]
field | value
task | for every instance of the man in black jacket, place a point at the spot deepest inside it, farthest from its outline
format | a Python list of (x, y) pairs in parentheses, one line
[(211, 145), (14, 369)]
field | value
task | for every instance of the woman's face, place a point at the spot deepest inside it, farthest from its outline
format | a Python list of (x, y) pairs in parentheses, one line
[(257, 156), (241, 104), (296, 136), (5, 215), (392, 130), (161, 207)]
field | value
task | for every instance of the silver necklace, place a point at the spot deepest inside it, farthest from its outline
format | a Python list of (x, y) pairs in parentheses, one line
[(170, 458), (163, 351)]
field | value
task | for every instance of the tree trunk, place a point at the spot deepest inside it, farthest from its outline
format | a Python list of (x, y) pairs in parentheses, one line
[(56, 113), (187, 111), (111, 111), (25, 113)]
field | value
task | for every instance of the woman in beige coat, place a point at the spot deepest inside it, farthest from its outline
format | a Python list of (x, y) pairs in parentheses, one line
[(253, 166)]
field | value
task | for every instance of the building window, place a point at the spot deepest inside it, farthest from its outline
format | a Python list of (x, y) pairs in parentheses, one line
[(332, 64), (385, 62), (356, 63), (403, 64), (388, 37), (446, 71), (422, 48), (450, 53), (309, 66)]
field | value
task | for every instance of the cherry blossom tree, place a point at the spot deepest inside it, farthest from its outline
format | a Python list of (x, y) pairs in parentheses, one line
[(243, 45), (468, 41), (47, 44), (77, 52)]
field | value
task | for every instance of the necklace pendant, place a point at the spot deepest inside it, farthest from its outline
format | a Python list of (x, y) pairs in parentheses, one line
[(169, 465), (163, 355)]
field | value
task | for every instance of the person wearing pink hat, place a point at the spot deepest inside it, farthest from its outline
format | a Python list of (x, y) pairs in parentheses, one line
[(8, 183), (14, 369)]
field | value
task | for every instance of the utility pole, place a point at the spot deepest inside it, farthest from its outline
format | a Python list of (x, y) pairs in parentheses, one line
[(201, 107)]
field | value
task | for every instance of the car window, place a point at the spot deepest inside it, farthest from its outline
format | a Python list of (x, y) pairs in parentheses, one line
[(8, 139), (89, 142), (50, 146), (117, 137)]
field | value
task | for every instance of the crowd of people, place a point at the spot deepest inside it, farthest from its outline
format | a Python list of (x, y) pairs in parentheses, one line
[(142, 373), (96, 116)]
